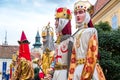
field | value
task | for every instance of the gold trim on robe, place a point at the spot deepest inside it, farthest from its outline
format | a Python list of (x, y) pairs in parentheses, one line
[(91, 59), (90, 62), (47, 59), (72, 64)]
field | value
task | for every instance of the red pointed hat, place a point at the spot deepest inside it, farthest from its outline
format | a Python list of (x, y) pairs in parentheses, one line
[(24, 51), (23, 36)]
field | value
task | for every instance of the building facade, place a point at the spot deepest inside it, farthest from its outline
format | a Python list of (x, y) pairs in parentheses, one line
[(107, 10), (6, 52)]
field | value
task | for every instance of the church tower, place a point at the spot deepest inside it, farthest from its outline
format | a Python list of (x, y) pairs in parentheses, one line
[(36, 51), (37, 41)]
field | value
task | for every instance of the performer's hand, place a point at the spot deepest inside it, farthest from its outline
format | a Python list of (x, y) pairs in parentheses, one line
[(50, 71), (48, 77)]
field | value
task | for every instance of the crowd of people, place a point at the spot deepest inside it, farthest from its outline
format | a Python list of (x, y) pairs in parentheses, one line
[(70, 57)]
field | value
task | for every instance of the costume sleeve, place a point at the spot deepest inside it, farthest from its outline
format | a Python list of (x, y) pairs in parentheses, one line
[(70, 45), (72, 64), (91, 58), (16, 73), (24, 70)]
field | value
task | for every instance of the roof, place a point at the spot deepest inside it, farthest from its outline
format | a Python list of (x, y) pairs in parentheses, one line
[(99, 5), (6, 51)]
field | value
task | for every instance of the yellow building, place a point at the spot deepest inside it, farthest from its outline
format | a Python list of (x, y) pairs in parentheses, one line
[(107, 10)]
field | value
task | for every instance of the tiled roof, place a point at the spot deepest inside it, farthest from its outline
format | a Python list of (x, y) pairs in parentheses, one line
[(6, 51), (99, 5)]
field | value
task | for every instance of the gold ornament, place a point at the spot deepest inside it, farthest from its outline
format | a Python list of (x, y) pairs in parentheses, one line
[(63, 13), (58, 39), (78, 39), (84, 5)]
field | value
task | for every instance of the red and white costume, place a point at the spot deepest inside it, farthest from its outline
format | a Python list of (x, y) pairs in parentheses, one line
[(83, 64), (63, 31)]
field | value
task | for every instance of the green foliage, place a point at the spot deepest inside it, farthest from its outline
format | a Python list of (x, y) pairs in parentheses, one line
[(104, 26), (110, 66), (110, 41), (109, 49)]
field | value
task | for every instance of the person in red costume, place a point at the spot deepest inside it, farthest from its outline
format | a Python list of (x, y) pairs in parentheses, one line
[(83, 63), (24, 70), (62, 45)]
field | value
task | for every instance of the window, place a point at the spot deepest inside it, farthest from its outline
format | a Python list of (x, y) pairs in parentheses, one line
[(114, 22)]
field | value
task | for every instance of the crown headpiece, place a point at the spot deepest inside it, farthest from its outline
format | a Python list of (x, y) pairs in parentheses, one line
[(84, 5), (47, 30), (63, 13)]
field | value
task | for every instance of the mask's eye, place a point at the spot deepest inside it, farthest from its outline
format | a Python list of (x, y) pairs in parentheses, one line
[(79, 12)]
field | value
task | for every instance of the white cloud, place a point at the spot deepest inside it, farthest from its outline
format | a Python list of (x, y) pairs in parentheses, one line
[(23, 1), (14, 21), (37, 4), (29, 22)]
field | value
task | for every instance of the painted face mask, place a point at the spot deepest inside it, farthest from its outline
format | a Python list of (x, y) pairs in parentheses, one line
[(61, 24)]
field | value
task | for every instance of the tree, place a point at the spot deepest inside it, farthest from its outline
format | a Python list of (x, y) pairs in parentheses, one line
[(109, 49), (103, 26)]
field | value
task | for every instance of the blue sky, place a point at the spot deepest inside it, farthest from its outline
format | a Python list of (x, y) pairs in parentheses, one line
[(27, 15)]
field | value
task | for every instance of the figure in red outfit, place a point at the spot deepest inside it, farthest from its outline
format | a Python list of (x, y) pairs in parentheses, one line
[(24, 70), (62, 46), (84, 64)]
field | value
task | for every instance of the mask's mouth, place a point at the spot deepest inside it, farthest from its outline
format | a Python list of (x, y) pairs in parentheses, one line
[(78, 18), (86, 20)]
